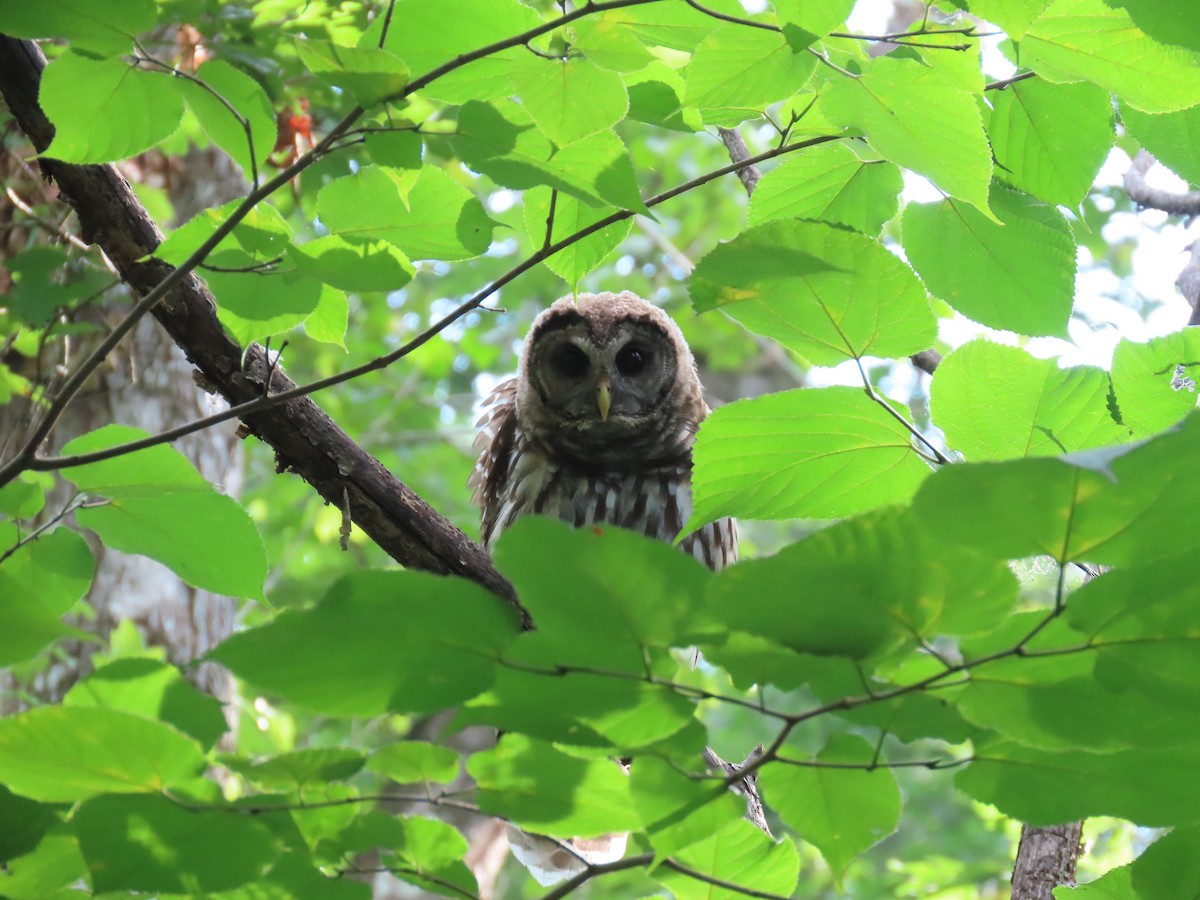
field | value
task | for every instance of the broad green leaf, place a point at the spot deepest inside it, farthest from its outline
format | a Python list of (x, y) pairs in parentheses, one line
[(610, 43), (312, 766), (738, 854), (676, 810), (409, 762), (427, 40), (1162, 22), (570, 217), (1142, 622), (436, 218), (105, 27), (997, 402), (1016, 274), (83, 97), (45, 872), (829, 182), (841, 811), (828, 293), (1114, 507), (397, 149), (673, 25), (815, 453), (1050, 139), (23, 823), (624, 716), (151, 844), (500, 141), (568, 99), (736, 72), (613, 585), (1087, 40), (1152, 787), (255, 305), (161, 468), (331, 317), (258, 238), (256, 129), (877, 566), (1173, 138), (539, 787), (813, 18), (39, 582), (370, 74), (152, 690), (1170, 867), (1055, 704), (161, 507), (69, 753), (204, 537), (1154, 382), (919, 118), (404, 641), (1013, 16), (23, 497), (430, 855), (352, 264)]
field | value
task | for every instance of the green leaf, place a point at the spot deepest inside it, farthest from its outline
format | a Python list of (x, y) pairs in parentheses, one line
[(610, 43), (255, 305), (1169, 869), (152, 844), (568, 99), (105, 27), (70, 753), (878, 567), (570, 216), (152, 690), (204, 537), (45, 872), (1173, 138), (426, 42), (1016, 274), (829, 182), (409, 762), (809, 453), (257, 129), (22, 498), (1154, 382), (430, 855), (370, 74), (350, 264), (329, 321), (1013, 16), (258, 238), (1112, 507), (83, 97), (1042, 788), (1086, 40), (39, 582), (997, 402), (539, 787), (1050, 139), (841, 811), (736, 72), (23, 823), (737, 854), (919, 118), (404, 641), (826, 292), (433, 218), (676, 810), (161, 507), (313, 766)]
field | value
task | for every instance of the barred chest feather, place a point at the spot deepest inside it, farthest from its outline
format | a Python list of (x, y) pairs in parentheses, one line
[(514, 477)]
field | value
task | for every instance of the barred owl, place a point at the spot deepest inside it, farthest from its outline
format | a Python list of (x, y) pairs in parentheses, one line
[(597, 426)]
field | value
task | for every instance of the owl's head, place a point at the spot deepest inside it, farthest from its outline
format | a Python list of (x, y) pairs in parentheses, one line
[(607, 378)]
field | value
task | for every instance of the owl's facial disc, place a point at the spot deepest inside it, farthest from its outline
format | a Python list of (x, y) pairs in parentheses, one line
[(607, 384)]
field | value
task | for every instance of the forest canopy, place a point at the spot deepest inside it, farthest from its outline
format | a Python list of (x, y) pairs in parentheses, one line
[(968, 596)]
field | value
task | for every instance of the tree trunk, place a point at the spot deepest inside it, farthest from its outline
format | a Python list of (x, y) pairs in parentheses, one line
[(1045, 859)]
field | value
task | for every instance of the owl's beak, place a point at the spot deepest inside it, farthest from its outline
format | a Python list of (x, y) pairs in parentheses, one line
[(604, 398)]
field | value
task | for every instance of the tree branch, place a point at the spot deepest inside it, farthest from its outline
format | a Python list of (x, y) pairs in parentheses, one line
[(1186, 203)]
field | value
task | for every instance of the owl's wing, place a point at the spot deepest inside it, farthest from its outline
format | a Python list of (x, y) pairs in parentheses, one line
[(497, 437)]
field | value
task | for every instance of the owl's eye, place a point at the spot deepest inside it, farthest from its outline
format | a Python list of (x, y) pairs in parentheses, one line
[(632, 360), (571, 362)]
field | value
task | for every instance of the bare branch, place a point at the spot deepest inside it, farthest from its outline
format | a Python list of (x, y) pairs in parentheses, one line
[(1186, 203)]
